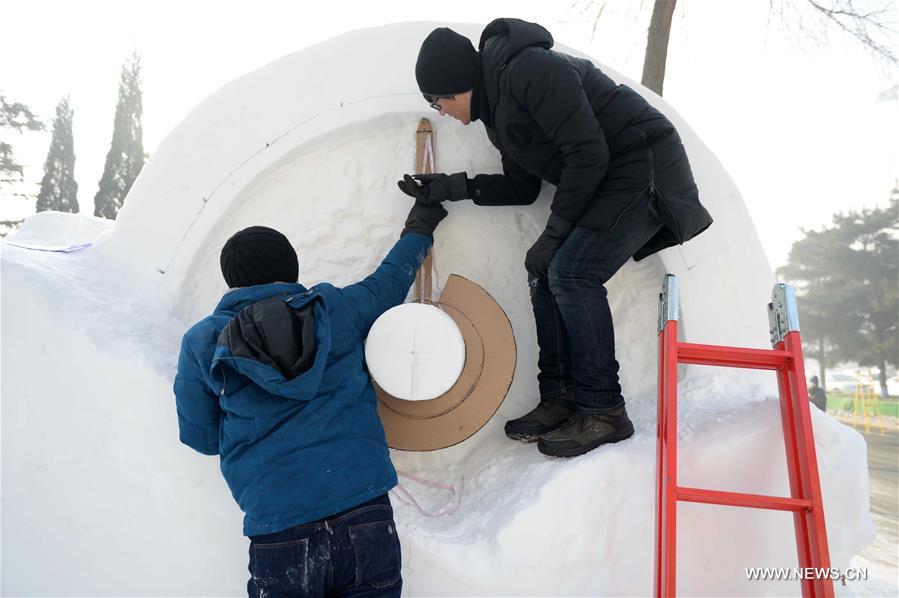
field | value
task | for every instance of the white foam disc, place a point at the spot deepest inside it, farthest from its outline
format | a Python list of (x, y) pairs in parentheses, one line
[(415, 352)]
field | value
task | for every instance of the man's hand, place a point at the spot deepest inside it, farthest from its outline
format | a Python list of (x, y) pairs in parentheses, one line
[(541, 253), (435, 188), (423, 218)]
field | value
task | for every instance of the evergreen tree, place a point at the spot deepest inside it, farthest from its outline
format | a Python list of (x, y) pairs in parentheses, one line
[(14, 116), (848, 286), (59, 191), (824, 294), (873, 263), (126, 154)]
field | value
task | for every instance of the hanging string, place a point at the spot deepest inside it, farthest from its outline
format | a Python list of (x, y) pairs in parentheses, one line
[(407, 498)]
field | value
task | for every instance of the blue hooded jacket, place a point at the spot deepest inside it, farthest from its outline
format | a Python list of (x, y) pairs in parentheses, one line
[(274, 381)]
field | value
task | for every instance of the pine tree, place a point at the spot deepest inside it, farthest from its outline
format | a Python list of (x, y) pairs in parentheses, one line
[(126, 155), (847, 284), (14, 116), (875, 273), (59, 191), (825, 294)]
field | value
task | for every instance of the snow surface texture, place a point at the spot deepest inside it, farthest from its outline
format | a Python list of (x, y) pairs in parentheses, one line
[(99, 497), (415, 352)]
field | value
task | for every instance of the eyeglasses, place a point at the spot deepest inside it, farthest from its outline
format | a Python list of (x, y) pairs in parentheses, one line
[(432, 102)]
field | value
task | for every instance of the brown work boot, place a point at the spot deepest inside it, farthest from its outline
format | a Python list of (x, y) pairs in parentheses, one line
[(584, 432), (545, 417)]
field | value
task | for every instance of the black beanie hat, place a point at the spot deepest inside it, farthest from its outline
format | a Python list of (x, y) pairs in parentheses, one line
[(447, 64), (258, 255)]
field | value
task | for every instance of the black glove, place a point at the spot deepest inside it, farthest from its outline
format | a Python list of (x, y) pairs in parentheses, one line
[(542, 251), (423, 218), (434, 188)]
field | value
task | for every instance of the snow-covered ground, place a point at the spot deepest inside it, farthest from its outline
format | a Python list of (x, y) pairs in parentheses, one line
[(99, 498)]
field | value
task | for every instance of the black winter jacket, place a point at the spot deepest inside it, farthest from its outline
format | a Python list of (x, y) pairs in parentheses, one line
[(560, 119)]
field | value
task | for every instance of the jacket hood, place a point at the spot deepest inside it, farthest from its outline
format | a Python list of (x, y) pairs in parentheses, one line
[(280, 342), (504, 38), (238, 298)]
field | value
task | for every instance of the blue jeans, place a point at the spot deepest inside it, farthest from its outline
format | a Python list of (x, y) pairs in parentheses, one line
[(574, 323), (353, 553)]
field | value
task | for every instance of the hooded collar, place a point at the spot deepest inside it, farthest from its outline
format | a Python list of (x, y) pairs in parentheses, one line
[(301, 312), (480, 104), (238, 298), (514, 36), (501, 41)]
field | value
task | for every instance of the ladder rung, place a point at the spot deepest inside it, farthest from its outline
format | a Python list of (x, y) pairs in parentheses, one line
[(738, 499), (735, 357)]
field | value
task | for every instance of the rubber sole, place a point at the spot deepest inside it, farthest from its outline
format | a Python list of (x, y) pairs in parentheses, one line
[(577, 451), (529, 437), (526, 438)]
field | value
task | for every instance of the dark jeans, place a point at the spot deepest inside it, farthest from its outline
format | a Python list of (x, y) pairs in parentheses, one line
[(574, 323), (352, 553)]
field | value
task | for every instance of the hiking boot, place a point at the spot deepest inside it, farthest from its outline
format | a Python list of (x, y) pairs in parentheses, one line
[(545, 417), (584, 432)]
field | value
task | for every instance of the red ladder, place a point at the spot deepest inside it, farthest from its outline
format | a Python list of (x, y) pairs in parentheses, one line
[(802, 464)]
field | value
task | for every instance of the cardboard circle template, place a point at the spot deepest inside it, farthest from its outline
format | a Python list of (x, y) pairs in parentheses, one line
[(415, 351), (490, 358)]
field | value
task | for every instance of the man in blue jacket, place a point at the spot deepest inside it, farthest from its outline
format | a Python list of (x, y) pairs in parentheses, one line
[(274, 382)]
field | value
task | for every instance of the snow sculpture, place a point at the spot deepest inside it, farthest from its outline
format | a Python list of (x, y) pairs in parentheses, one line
[(312, 145)]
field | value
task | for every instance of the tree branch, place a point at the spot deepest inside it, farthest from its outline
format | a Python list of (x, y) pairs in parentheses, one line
[(863, 26)]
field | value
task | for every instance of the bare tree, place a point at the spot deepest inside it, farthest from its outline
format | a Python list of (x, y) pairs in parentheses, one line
[(871, 25), (868, 21), (657, 45)]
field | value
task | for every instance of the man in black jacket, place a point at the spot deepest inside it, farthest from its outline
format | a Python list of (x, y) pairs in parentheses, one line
[(624, 189), (817, 395)]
